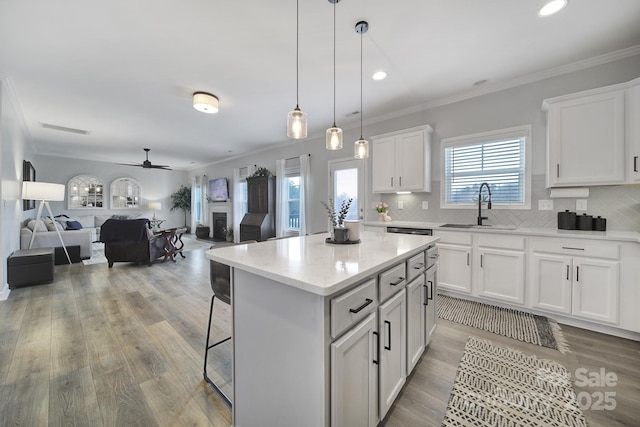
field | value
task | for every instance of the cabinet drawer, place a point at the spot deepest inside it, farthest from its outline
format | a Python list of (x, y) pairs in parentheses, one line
[(415, 266), (392, 280), (353, 306), (577, 247), (501, 242), (454, 237)]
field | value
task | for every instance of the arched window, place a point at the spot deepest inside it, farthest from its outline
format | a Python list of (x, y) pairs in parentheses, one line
[(125, 194), (85, 192)]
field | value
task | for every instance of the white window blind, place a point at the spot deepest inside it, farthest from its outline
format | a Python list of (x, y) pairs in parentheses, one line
[(500, 162)]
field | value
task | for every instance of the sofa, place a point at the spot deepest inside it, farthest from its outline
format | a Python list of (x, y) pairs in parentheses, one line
[(130, 240), (47, 237), (86, 222)]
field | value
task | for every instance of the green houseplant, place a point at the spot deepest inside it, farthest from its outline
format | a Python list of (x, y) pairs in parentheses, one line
[(181, 199), (260, 171)]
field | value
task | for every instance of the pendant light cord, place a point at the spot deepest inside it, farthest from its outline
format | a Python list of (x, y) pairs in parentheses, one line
[(297, 51), (361, 85), (334, 62)]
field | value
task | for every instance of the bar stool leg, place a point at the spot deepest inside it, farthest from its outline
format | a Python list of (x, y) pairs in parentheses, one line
[(206, 354)]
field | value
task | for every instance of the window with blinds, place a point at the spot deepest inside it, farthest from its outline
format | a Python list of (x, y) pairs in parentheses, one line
[(495, 158)]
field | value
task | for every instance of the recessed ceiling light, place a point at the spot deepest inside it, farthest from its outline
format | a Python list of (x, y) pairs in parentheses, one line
[(379, 75), (551, 7)]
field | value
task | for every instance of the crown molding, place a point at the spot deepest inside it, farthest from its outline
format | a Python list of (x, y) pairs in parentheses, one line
[(511, 83)]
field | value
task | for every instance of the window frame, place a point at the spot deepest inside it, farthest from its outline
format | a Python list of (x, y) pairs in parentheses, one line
[(523, 131), (291, 172)]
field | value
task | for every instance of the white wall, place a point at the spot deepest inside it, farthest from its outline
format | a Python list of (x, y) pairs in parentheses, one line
[(14, 150), (155, 186), (507, 108)]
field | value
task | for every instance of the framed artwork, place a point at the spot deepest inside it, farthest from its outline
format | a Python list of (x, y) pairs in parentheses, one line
[(28, 174)]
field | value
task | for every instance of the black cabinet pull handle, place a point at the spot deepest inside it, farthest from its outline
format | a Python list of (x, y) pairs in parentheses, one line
[(573, 249), (400, 280), (392, 181), (418, 266), (557, 170), (467, 259), (480, 261), (426, 295), (577, 273), (386, 322), (635, 163), (377, 348), (430, 294), (359, 309), (400, 181), (567, 271)]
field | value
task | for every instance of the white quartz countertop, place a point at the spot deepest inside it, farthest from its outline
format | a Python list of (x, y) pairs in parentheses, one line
[(621, 236), (311, 264)]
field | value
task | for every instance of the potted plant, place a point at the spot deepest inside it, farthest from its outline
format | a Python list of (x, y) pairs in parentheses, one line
[(181, 199), (228, 233), (339, 232), (260, 171)]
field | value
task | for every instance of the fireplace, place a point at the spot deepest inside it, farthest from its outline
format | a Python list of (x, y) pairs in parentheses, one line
[(219, 221)]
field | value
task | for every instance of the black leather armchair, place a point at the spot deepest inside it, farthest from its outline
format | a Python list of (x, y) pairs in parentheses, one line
[(130, 240)]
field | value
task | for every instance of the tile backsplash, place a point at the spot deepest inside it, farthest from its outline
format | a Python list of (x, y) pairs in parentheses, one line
[(620, 205)]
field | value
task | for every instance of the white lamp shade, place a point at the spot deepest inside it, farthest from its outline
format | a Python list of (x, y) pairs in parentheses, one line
[(361, 149), (42, 191), (205, 102), (155, 206), (297, 124), (334, 138)]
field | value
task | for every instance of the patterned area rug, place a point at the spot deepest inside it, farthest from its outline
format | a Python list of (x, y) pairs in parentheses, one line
[(498, 386), (510, 323)]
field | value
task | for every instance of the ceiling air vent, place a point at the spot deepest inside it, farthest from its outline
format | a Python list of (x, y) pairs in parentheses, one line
[(65, 129)]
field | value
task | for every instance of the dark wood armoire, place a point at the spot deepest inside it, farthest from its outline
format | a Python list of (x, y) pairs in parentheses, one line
[(259, 223)]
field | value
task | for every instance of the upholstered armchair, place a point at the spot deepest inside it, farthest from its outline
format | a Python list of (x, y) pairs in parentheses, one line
[(130, 240)]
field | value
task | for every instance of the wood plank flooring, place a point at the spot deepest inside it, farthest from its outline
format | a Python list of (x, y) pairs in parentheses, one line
[(124, 347)]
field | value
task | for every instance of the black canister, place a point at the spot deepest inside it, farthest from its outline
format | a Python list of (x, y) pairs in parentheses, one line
[(584, 222), (600, 224), (567, 220)]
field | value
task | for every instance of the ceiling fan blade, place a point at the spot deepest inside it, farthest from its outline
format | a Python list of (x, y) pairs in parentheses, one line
[(130, 164), (165, 167)]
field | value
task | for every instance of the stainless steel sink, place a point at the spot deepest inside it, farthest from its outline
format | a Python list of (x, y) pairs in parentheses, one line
[(480, 227)]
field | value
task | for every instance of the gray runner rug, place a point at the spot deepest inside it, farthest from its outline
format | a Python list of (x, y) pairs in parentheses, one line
[(510, 323), (502, 387)]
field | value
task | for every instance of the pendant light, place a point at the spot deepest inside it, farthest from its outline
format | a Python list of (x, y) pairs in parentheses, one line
[(297, 119), (334, 133), (361, 146)]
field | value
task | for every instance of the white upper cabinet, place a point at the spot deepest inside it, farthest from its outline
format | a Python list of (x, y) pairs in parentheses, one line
[(633, 134), (401, 161), (593, 137), (586, 140)]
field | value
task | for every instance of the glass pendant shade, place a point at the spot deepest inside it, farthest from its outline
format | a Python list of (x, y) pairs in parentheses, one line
[(297, 124), (361, 148), (334, 138)]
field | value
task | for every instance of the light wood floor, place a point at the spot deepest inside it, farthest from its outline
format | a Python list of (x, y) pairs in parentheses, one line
[(124, 347)]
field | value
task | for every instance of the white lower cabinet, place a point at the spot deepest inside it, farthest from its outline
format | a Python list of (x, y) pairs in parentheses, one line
[(581, 286), (416, 325), (431, 312), (551, 279), (354, 376), (501, 275), (595, 289), (455, 267), (392, 327)]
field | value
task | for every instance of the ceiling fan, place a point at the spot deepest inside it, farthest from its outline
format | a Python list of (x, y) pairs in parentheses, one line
[(147, 164)]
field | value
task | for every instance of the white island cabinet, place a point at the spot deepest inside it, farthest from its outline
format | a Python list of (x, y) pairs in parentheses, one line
[(310, 327)]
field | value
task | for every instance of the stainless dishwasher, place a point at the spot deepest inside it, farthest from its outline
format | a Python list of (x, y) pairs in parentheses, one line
[(432, 250)]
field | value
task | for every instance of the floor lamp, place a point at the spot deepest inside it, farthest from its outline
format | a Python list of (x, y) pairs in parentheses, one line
[(45, 192)]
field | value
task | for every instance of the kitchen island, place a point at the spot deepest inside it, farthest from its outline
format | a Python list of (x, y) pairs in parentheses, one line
[(295, 304)]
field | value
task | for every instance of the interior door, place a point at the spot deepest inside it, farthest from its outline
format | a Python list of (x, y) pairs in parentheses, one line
[(347, 181)]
